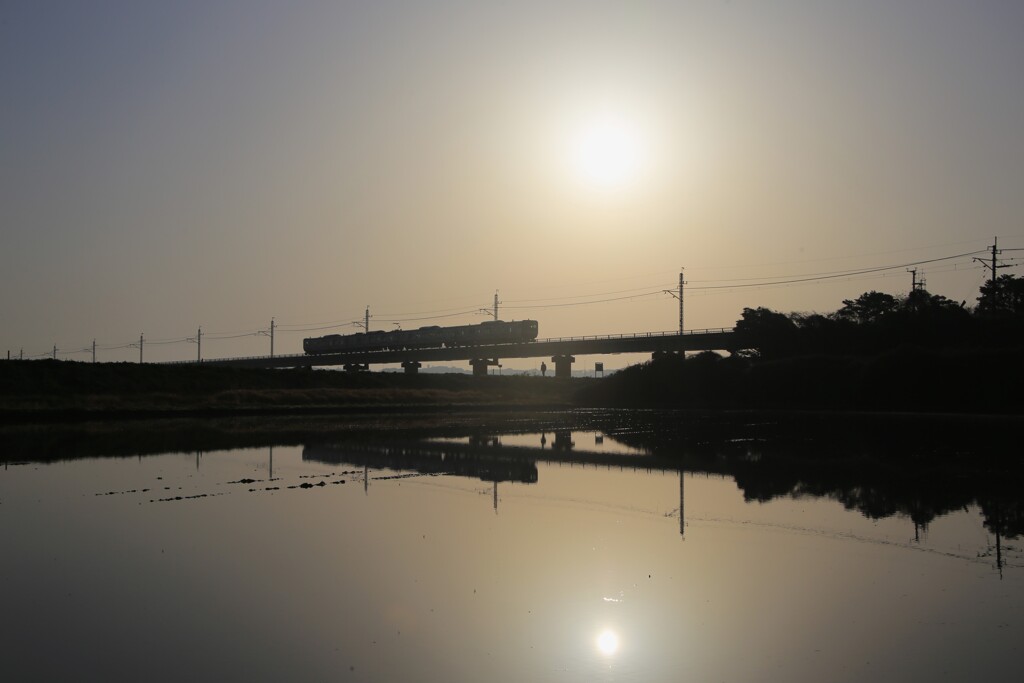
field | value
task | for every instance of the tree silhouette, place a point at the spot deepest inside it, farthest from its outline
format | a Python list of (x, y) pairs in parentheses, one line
[(767, 330), (870, 307), (922, 302), (1004, 297)]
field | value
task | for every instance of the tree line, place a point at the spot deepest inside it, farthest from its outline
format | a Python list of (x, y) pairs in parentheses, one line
[(914, 352), (876, 321)]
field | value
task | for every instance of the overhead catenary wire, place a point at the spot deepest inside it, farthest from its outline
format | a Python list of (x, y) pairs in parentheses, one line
[(383, 319), (167, 341), (838, 258), (644, 291), (805, 283), (215, 336), (696, 287), (835, 275), (572, 300), (583, 296), (587, 303)]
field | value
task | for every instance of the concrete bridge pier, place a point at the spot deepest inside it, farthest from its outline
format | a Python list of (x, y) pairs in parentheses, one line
[(563, 366), (411, 367), (480, 365)]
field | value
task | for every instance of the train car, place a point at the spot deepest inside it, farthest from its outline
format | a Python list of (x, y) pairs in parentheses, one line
[(433, 337)]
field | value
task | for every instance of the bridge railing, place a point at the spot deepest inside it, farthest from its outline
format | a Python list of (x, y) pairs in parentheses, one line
[(592, 337), (640, 335), (233, 358)]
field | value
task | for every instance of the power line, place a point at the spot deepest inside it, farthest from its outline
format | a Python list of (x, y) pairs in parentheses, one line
[(347, 323), (327, 324), (567, 301), (167, 341), (470, 311), (587, 303), (805, 283), (232, 336), (702, 286), (838, 258), (831, 276), (583, 296)]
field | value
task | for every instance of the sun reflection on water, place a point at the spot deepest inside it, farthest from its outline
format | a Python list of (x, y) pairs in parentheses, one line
[(607, 642)]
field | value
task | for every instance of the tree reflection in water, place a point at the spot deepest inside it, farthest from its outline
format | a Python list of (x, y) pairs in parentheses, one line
[(921, 467)]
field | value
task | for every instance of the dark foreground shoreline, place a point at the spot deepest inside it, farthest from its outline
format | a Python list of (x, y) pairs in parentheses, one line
[(905, 381), (62, 390)]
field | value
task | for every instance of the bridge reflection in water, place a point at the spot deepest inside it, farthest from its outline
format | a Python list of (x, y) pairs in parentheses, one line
[(916, 468), (896, 467), (493, 458)]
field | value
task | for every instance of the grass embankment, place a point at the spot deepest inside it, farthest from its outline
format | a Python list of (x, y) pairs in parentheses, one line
[(52, 388)]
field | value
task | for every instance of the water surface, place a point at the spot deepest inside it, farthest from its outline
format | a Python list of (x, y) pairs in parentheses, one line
[(548, 548)]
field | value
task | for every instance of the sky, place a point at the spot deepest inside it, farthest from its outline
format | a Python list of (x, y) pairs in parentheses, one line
[(166, 166)]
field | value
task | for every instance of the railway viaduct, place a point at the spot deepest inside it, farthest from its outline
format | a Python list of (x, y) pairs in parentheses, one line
[(562, 351)]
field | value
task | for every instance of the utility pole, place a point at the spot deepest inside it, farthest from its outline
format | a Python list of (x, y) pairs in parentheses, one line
[(682, 282), (93, 350), (55, 352), (495, 319), (139, 346), (679, 295), (365, 324), (198, 341), (995, 243), (915, 284), (993, 266), (491, 312), (269, 333)]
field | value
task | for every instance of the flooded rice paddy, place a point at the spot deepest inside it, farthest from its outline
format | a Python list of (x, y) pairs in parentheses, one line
[(558, 547)]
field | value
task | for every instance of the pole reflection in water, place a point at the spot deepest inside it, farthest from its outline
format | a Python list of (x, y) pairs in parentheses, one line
[(809, 563), (682, 504)]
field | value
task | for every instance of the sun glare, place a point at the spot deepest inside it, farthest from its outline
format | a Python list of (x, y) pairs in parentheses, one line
[(608, 642), (608, 152)]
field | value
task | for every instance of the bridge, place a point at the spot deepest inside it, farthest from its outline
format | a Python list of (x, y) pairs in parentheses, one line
[(561, 350)]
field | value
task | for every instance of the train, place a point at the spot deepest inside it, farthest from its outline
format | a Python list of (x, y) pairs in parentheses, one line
[(434, 337)]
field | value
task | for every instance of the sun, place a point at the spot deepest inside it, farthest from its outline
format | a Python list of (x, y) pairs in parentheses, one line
[(608, 152)]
